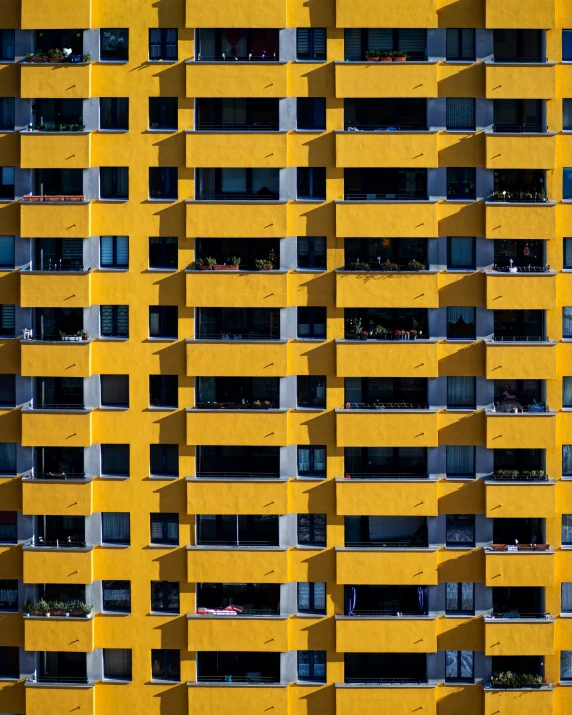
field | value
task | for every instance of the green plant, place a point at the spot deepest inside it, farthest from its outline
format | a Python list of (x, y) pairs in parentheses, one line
[(57, 606), (373, 53), (29, 56), (388, 266), (508, 679), (198, 262), (414, 265), (86, 608), (354, 327), (399, 53), (386, 53), (235, 260), (86, 58), (55, 54), (210, 261), (28, 606), (41, 606), (359, 266)]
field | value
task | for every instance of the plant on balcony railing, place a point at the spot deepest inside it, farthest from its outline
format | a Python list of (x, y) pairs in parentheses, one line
[(74, 337), (385, 406), (245, 405), (56, 198), (64, 127), (520, 547), (386, 266), (519, 196), (55, 55), (521, 269), (508, 679), (75, 609), (266, 264), (354, 331), (525, 475)]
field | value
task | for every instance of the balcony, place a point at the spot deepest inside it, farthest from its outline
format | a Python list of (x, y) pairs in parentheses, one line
[(43, 698), (403, 634), (229, 565), (520, 360), (360, 13), (55, 80), (409, 566), (56, 428), (257, 13), (236, 79), (533, 430), (72, 497), (215, 219), (264, 428), (520, 15), (68, 14), (397, 699), (519, 636), (246, 149), (526, 220), (69, 635), (387, 428), (516, 150), (55, 289), (520, 500), (238, 633), (222, 698), (55, 150), (403, 289), (400, 219), (55, 219), (237, 496), (65, 565), (386, 149), (237, 289), (520, 81), (386, 497), (384, 358), (519, 568), (56, 359), (385, 79), (521, 290), (520, 701), (228, 358)]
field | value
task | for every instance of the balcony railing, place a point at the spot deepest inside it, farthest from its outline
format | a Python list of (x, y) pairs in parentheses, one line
[(512, 197), (229, 335), (56, 406), (71, 679), (238, 544), (380, 612), (520, 547), (385, 197), (266, 57), (256, 405), (60, 198), (520, 338), (237, 611), (515, 475), (51, 128), (237, 127), (63, 476), (518, 615), (385, 406), (57, 266), (406, 127), (237, 679), (524, 59), (237, 196), (519, 129), (237, 475), (40, 542), (386, 681), (385, 475), (521, 269), (408, 544)]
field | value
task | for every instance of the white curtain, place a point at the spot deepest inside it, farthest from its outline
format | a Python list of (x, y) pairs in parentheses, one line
[(460, 460)]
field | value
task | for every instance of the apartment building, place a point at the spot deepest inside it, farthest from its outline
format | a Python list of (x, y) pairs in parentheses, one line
[(285, 357)]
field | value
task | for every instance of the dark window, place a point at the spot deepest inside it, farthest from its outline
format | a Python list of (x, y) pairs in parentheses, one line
[(460, 461), (165, 664), (7, 390), (163, 44), (566, 529), (165, 529), (165, 596), (312, 322), (114, 390), (311, 113), (117, 663), (387, 183), (115, 460), (114, 252), (382, 462), (248, 323), (235, 184), (461, 323), (460, 113), (114, 113), (566, 45), (516, 115), (460, 597), (567, 183), (411, 41), (7, 255), (567, 459), (565, 664), (311, 43), (566, 114), (7, 457), (114, 321), (460, 530), (312, 391), (163, 182), (9, 595), (312, 461), (376, 252), (460, 44), (312, 665), (461, 393), (163, 321), (461, 183), (9, 662), (7, 321), (237, 113), (7, 182), (519, 45), (115, 527), (7, 45), (114, 182), (163, 390), (114, 44), (116, 596), (164, 459), (459, 666), (8, 527), (312, 529), (163, 113), (566, 597), (311, 252), (7, 113), (163, 253), (519, 325), (312, 597), (312, 183), (259, 44), (522, 254)]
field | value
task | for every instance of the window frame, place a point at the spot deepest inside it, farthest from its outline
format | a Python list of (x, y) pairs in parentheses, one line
[(163, 44), (463, 337), (104, 471), (459, 678), (315, 108), (315, 175), (115, 265), (118, 58), (124, 679), (115, 320), (115, 404), (313, 320), (312, 448), (116, 179), (473, 405), (312, 265), (8, 377), (472, 266), (164, 456), (311, 597), (164, 519), (106, 585), (312, 666), (7, 190), (450, 526), (311, 34), (458, 175), (118, 540), (460, 44), (166, 385), (163, 243), (114, 113), (163, 312), (472, 128), (163, 655), (312, 387), (460, 610), (166, 175), (164, 588), (313, 527), (460, 475)]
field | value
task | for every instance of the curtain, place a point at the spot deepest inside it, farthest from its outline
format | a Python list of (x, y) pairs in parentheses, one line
[(422, 597), (115, 526), (460, 113), (7, 251), (319, 459), (351, 598), (117, 663), (567, 318), (567, 459), (7, 113), (566, 664), (303, 459), (461, 252), (567, 391), (7, 458), (567, 528), (566, 605), (460, 460), (460, 391), (465, 315)]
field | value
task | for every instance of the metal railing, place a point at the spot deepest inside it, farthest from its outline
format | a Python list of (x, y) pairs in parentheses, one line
[(519, 128), (235, 406), (381, 612), (524, 59), (386, 681), (56, 406), (238, 475), (522, 269), (63, 476), (359, 127), (520, 338), (237, 679), (373, 196), (237, 196), (238, 543), (266, 57), (386, 475), (58, 543), (520, 477), (387, 544), (236, 127), (244, 612), (230, 335), (57, 265), (72, 679), (518, 614), (385, 406), (55, 198), (516, 197)]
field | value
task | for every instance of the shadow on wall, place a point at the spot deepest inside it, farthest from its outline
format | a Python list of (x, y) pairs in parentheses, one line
[(172, 564), (171, 218), (174, 699), (467, 699), (11, 494)]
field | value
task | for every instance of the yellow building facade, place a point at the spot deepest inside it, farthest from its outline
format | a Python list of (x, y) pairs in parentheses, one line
[(285, 361)]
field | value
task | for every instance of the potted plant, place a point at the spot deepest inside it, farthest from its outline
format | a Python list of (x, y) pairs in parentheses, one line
[(364, 335), (372, 55), (414, 265), (75, 609), (55, 55), (354, 328), (211, 263), (86, 58), (40, 608), (399, 56), (28, 607), (386, 56), (235, 261), (28, 57), (359, 266), (57, 608), (266, 264), (413, 335), (85, 335), (388, 267)]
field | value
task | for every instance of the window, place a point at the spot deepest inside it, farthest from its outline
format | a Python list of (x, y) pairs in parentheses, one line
[(566, 529), (358, 41), (8, 527), (7, 390), (566, 665), (567, 115), (7, 458), (312, 323), (461, 393), (312, 597), (9, 662), (117, 663), (7, 182), (460, 461), (311, 252), (312, 461), (116, 596), (567, 322), (567, 392), (165, 664), (163, 390), (460, 530), (114, 321), (459, 666), (8, 595), (114, 390), (460, 597), (567, 183), (7, 321), (165, 596), (163, 321), (312, 665), (312, 183), (311, 43), (115, 527), (460, 44), (163, 44), (163, 183), (460, 113), (114, 252), (311, 113), (7, 114), (567, 45), (165, 529), (114, 44), (114, 113), (461, 324), (163, 113), (461, 253), (115, 460), (163, 253), (6, 252), (114, 182), (461, 183), (312, 391), (566, 597), (164, 460), (312, 529), (7, 45), (567, 459)]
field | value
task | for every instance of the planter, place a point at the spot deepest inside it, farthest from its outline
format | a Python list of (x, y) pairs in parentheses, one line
[(399, 59), (204, 268), (225, 268), (77, 614), (372, 59), (56, 59), (38, 613), (57, 613), (385, 59)]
